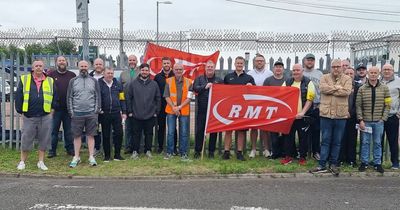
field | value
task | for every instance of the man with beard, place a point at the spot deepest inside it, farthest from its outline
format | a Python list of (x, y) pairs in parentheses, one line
[(35, 100), (61, 77), (84, 105), (315, 76), (125, 78), (114, 110), (259, 73), (361, 77), (143, 106), (97, 73), (160, 78)]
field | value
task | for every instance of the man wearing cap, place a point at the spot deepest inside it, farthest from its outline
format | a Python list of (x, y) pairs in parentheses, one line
[(361, 76), (315, 76), (277, 79), (259, 73)]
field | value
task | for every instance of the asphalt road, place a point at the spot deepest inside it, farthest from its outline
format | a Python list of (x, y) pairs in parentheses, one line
[(294, 193)]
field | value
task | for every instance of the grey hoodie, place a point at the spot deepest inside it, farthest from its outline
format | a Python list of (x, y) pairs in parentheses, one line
[(83, 96), (315, 76)]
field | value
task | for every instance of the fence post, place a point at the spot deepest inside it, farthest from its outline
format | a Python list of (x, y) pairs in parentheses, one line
[(271, 63), (321, 64), (374, 61), (3, 104), (328, 63), (12, 99), (229, 64), (383, 62), (296, 59)]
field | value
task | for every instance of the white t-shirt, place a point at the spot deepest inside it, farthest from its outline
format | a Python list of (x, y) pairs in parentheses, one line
[(260, 76)]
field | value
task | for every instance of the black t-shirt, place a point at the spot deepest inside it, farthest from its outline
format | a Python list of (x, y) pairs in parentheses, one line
[(272, 81), (242, 79)]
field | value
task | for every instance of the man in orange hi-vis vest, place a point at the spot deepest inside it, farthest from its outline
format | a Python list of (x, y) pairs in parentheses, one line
[(177, 93)]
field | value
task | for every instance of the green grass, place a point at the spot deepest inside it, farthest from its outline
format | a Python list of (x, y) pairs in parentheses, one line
[(149, 167)]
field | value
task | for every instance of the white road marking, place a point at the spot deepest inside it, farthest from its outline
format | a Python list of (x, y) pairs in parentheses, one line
[(72, 187), (73, 206)]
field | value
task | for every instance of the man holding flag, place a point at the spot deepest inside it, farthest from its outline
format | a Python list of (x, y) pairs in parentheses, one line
[(238, 77), (201, 86)]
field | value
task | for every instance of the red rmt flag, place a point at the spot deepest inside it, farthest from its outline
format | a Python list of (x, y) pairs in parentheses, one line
[(238, 107), (193, 64)]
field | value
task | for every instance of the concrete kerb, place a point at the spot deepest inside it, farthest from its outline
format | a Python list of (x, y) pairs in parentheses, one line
[(212, 176)]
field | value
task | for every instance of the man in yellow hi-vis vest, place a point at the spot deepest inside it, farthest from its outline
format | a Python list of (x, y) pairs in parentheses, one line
[(35, 100), (177, 93)]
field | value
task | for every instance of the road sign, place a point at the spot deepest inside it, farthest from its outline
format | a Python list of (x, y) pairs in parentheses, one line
[(81, 11), (93, 52)]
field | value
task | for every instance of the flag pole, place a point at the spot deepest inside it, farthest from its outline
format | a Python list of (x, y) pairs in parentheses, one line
[(205, 127)]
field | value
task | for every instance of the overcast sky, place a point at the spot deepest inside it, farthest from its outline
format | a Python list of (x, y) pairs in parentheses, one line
[(202, 14)]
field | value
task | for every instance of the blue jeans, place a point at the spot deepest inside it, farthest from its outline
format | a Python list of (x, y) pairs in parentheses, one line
[(183, 133), (332, 134), (58, 117), (377, 131)]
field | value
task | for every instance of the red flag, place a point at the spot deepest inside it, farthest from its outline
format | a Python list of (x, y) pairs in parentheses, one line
[(234, 107), (193, 64)]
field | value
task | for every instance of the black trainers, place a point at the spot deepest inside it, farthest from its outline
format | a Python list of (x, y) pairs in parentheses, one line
[(128, 151), (118, 158), (334, 170), (51, 155), (239, 156), (363, 167), (211, 155), (106, 159), (353, 164), (379, 169), (318, 170), (196, 155), (159, 150), (226, 155)]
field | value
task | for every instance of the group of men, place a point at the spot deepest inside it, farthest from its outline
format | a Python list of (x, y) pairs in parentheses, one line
[(329, 105)]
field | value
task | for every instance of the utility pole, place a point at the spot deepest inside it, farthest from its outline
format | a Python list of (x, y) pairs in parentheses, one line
[(82, 16), (121, 34)]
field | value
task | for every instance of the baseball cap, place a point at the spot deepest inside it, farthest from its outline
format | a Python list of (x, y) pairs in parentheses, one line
[(310, 55)]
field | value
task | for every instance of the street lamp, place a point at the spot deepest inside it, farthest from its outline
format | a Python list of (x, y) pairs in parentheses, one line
[(160, 2)]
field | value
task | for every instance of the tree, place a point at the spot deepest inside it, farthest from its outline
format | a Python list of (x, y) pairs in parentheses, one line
[(32, 49), (63, 47)]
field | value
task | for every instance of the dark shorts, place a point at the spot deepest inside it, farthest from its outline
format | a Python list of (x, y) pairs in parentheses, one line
[(87, 123)]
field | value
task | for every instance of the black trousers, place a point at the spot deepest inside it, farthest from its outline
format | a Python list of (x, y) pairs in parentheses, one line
[(161, 121), (140, 126), (201, 125), (349, 142), (315, 132), (301, 128), (277, 142), (111, 122), (392, 133)]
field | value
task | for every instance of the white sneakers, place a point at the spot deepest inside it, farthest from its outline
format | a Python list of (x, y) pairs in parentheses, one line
[(266, 153), (40, 165), (21, 165), (252, 154)]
